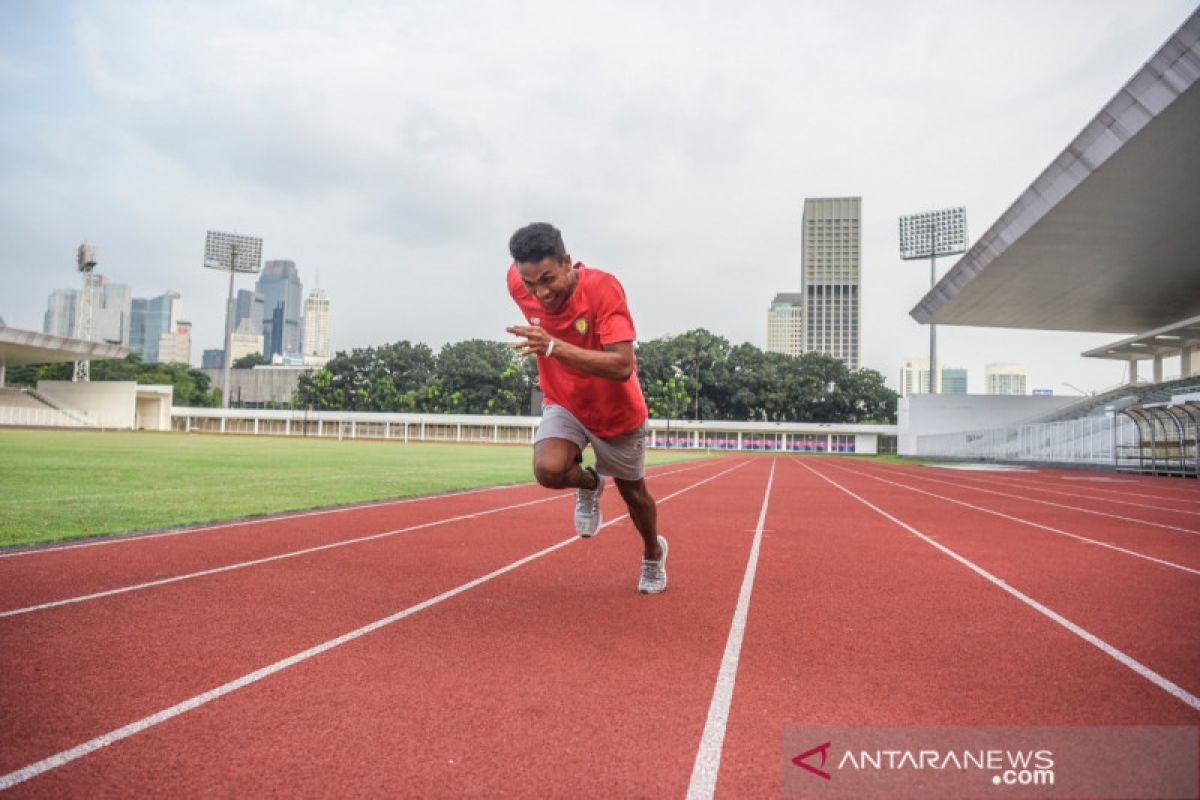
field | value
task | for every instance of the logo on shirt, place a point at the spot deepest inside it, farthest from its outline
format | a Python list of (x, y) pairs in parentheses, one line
[(581, 325), (535, 320)]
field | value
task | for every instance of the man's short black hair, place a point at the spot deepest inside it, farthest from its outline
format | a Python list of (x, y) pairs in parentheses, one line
[(536, 241)]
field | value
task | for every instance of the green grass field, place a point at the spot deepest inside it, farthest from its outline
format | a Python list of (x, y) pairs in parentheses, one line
[(71, 484)]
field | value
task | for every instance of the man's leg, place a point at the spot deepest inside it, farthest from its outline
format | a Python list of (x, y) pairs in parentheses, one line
[(556, 465), (644, 513)]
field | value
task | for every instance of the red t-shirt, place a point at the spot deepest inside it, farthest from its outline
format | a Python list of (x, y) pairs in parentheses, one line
[(593, 316)]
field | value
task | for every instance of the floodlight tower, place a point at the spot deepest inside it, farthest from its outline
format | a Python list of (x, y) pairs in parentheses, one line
[(928, 235), (231, 253), (85, 260)]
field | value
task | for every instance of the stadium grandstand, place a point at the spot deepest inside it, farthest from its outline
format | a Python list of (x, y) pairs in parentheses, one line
[(67, 404), (1105, 240)]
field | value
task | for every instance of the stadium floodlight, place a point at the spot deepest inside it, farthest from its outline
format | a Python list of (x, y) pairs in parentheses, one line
[(232, 253), (930, 234), (85, 261)]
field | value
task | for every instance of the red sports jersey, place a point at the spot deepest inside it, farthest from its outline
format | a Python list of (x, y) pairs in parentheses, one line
[(594, 315)]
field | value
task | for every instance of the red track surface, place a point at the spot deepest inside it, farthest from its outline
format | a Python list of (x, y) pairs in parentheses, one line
[(555, 678)]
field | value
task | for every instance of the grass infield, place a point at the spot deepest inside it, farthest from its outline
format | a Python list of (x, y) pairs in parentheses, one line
[(70, 484)]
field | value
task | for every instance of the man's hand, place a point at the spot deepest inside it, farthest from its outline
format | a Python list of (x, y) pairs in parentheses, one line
[(615, 361), (536, 343)]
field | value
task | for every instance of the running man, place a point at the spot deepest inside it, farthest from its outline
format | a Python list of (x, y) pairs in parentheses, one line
[(582, 334)]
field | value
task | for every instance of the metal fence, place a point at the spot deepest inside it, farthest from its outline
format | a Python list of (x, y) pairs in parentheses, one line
[(674, 434), (1091, 440)]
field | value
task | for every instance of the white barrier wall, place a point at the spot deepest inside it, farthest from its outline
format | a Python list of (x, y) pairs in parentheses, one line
[(109, 404), (928, 414)]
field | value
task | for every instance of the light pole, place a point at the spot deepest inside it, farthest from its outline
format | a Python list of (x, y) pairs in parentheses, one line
[(232, 253), (85, 260), (930, 234)]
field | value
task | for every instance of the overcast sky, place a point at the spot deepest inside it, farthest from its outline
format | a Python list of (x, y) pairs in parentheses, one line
[(392, 148)]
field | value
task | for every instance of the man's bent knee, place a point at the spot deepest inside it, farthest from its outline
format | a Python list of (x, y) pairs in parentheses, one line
[(552, 476)]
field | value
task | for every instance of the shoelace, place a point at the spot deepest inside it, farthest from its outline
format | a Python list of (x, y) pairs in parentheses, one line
[(650, 569)]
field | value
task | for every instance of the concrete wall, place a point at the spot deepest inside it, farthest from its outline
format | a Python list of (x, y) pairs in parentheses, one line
[(866, 445), (109, 404), (154, 408), (923, 414), (260, 384)]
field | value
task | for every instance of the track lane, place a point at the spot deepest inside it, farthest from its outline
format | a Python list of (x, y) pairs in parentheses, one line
[(1145, 609), (455, 679), (855, 621), (1177, 546)]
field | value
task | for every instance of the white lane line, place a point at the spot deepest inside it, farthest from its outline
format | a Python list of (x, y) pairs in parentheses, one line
[(1022, 521), (1094, 485), (119, 538), (79, 751), (281, 556), (708, 758), (1077, 495), (1192, 531), (1125, 659)]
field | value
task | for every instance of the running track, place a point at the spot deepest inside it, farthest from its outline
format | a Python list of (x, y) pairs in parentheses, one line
[(467, 645)]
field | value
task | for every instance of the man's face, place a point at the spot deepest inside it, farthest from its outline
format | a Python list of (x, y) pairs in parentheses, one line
[(551, 280)]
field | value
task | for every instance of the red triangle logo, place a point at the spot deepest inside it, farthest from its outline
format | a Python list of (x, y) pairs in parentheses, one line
[(823, 749)]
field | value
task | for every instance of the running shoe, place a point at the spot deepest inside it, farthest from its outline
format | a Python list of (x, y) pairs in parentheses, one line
[(654, 573), (587, 507)]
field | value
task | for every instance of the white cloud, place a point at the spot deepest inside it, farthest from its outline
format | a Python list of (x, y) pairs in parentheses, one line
[(394, 146)]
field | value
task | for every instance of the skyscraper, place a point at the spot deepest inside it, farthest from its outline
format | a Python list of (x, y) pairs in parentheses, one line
[(1005, 379), (60, 312), (785, 330), (831, 265), (175, 345), (149, 320), (914, 378), (279, 284), (248, 311), (316, 324), (111, 311)]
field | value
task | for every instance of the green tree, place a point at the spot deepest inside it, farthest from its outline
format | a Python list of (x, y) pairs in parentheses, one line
[(249, 361), (481, 377)]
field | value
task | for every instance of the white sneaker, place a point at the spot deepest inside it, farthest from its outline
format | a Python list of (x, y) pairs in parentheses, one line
[(654, 573), (587, 507)]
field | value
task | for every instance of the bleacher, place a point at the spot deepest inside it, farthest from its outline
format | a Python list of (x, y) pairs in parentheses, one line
[(1122, 397), (27, 408)]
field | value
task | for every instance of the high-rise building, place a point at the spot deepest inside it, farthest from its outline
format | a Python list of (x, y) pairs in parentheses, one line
[(60, 312), (914, 378), (1005, 379), (139, 311), (175, 345), (150, 320), (831, 266), (785, 324), (280, 287), (213, 359), (954, 380), (111, 311), (316, 323), (248, 311)]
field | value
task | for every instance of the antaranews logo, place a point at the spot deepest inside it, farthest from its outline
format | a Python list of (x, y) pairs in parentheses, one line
[(823, 749)]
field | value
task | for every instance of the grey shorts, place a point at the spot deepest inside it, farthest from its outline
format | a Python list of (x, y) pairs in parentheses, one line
[(623, 457)]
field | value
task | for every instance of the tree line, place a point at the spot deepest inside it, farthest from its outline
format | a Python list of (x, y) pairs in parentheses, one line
[(696, 375)]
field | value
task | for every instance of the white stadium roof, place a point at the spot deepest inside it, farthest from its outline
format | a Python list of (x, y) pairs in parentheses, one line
[(1107, 239), (20, 347)]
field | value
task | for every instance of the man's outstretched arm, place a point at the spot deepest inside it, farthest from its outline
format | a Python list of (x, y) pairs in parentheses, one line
[(614, 362)]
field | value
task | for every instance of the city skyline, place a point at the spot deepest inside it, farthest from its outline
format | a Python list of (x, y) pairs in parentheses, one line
[(695, 136)]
